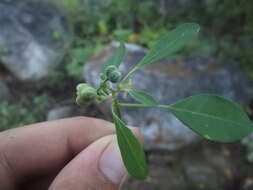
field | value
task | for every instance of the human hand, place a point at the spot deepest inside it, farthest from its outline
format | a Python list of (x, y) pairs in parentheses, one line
[(77, 153)]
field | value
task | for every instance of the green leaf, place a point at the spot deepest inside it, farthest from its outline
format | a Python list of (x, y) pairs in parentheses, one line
[(131, 150), (142, 97), (170, 43), (213, 117), (117, 58)]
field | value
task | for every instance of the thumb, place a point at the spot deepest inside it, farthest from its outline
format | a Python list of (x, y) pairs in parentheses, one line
[(98, 167)]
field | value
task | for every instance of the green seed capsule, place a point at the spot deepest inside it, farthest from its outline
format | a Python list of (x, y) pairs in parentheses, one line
[(113, 73), (81, 101), (102, 76), (81, 86), (114, 76), (85, 94), (110, 69), (101, 98)]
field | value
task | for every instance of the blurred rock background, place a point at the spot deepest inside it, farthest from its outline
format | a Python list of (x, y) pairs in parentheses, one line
[(47, 47)]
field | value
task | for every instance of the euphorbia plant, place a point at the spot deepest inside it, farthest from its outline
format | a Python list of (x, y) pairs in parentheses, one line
[(210, 116)]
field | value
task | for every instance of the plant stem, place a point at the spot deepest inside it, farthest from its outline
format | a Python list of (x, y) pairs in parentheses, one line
[(102, 84), (116, 108), (116, 105), (129, 74)]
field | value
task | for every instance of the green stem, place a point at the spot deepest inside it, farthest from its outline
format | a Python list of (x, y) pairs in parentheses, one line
[(129, 74), (116, 108), (116, 105), (102, 84)]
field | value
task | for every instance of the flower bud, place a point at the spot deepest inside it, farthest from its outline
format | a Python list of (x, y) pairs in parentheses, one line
[(81, 101), (81, 86), (110, 69), (102, 76), (113, 73), (101, 98), (85, 94), (114, 76)]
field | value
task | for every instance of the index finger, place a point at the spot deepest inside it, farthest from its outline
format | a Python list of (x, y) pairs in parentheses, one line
[(48, 146)]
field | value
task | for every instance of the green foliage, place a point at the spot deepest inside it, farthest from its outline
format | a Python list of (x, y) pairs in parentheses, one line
[(77, 59), (117, 58), (72, 68), (148, 35), (210, 116), (40, 102), (69, 5), (142, 97), (132, 153), (170, 43), (99, 22), (213, 117), (221, 19), (14, 115), (122, 34)]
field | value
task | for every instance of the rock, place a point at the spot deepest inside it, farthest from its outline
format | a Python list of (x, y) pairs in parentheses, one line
[(169, 81), (165, 173), (33, 38), (61, 112), (248, 143), (220, 159), (4, 91), (191, 168), (247, 184), (201, 174)]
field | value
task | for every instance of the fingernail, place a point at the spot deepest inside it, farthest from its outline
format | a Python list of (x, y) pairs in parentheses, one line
[(111, 163)]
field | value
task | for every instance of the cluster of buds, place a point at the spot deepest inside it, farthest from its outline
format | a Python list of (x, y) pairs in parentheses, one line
[(86, 94)]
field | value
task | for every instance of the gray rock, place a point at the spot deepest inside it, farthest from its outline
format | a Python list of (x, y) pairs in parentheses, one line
[(248, 143), (60, 113), (165, 173), (4, 91), (221, 159), (33, 37), (247, 183), (202, 175), (169, 81), (202, 167)]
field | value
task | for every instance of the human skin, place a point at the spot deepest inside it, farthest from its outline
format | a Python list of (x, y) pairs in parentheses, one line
[(77, 153)]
